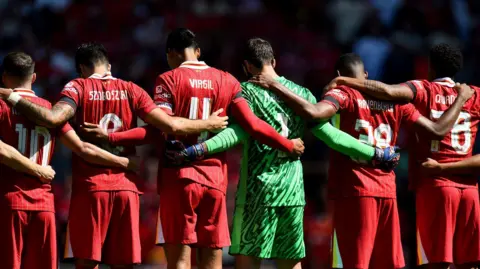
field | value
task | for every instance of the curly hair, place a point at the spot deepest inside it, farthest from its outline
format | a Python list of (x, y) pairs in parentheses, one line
[(445, 60)]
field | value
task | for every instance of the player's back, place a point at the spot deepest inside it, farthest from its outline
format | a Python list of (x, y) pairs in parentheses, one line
[(21, 191), (195, 90), (432, 100), (373, 122), (114, 104), (269, 176)]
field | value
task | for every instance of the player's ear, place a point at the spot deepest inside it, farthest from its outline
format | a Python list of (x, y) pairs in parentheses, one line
[(198, 53), (34, 77), (109, 67), (338, 73), (366, 74), (274, 63)]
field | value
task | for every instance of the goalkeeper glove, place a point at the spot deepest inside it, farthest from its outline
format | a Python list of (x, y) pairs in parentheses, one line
[(176, 154), (386, 159)]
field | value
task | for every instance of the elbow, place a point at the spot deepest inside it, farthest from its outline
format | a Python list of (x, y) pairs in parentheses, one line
[(82, 151), (438, 134)]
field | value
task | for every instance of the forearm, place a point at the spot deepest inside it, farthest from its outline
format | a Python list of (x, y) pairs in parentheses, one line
[(470, 166), (176, 125), (226, 139), (38, 114), (301, 106), (343, 142), (448, 119), (136, 136), (14, 159), (259, 129), (378, 90), (96, 155)]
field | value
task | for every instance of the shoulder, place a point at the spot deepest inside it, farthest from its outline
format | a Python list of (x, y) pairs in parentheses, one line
[(75, 85), (422, 84)]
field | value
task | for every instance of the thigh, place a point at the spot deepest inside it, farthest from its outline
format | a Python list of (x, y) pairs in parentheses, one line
[(466, 245), (387, 251), (289, 242), (254, 231), (355, 222), (178, 218), (436, 217), (122, 244), (212, 225), (12, 229), (88, 222), (40, 243)]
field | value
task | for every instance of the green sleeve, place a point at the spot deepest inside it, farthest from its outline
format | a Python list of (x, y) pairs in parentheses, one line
[(343, 142), (226, 139)]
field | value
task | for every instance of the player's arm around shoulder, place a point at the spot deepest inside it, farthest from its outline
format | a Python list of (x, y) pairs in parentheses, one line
[(445, 123)]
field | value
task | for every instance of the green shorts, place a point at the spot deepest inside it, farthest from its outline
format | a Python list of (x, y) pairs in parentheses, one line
[(268, 232)]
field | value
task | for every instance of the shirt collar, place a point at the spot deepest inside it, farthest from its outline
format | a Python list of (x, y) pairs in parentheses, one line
[(24, 92), (198, 65), (446, 81), (107, 75)]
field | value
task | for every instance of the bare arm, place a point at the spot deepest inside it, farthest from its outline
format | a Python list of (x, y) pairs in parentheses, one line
[(376, 89), (319, 111), (445, 123), (183, 126), (92, 153), (469, 166), (14, 159)]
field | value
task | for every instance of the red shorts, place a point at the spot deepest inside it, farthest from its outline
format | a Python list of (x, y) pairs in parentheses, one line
[(192, 214), (28, 239), (366, 234), (104, 226), (448, 225)]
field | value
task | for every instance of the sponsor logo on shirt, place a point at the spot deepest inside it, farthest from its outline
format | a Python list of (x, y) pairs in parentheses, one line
[(161, 93), (108, 95), (163, 104), (205, 84), (375, 105)]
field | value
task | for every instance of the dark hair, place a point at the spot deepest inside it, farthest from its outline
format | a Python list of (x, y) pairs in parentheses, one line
[(345, 64), (445, 60), (258, 52), (18, 64), (180, 39), (90, 54)]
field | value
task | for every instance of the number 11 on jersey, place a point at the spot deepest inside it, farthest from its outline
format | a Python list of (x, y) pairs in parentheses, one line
[(193, 114)]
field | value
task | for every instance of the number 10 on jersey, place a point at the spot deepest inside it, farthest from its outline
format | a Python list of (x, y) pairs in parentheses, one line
[(33, 138)]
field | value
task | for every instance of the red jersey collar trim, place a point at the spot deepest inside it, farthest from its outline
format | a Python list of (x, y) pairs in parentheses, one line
[(446, 81), (26, 92), (199, 65), (107, 75)]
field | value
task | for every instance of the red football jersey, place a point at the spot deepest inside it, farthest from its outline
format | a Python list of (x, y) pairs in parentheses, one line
[(374, 122), (114, 104), (21, 191), (432, 99), (193, 91)]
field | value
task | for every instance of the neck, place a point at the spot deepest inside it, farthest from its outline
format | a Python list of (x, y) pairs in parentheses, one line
[(100, 69), (269, 70), (190, 56), (20, 85)]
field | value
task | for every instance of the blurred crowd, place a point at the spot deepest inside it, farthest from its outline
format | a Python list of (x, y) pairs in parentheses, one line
[(392, 37)]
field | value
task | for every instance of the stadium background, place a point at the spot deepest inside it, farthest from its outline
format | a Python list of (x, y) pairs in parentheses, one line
[(392, 36)]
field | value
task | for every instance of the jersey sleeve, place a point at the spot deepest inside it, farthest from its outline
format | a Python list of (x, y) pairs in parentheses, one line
[(72, 94), (338, 98), (163, 94), (142, 102), (310, 97), (64, 129), (236, 89), (410, 114), (420, 94)]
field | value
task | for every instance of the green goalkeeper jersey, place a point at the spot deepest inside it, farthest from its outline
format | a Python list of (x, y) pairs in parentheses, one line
[(270, 177)]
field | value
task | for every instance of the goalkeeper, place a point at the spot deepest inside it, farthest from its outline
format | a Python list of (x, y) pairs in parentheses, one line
[(268, 219)]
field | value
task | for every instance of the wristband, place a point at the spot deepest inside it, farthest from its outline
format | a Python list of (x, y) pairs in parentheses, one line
[(13, 98)]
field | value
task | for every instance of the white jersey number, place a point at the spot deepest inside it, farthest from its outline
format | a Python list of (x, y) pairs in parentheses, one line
[(380, 137), (282, 118), (193, 114), (111, 119), (34, 143), (462, 126)]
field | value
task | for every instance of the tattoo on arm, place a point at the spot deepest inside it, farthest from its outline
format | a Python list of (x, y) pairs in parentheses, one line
[(59, 114)]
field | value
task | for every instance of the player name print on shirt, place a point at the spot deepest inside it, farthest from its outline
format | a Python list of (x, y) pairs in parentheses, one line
[(205, 84), (375, 105), (445, 100), (108, 95)]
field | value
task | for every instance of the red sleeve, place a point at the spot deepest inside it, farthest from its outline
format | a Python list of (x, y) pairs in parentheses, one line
[(337, 98), (410, 114), (142, 102), (259, 129), (72, 93), (163, 94), (65, 129), (136, 136), (420, 94), (236, 89)]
